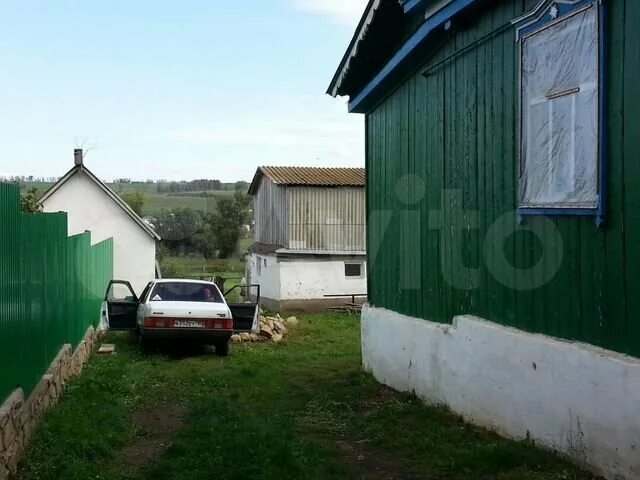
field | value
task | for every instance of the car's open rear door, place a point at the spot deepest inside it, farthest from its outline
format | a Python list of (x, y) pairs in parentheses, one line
[(244, 303), (121, 306)]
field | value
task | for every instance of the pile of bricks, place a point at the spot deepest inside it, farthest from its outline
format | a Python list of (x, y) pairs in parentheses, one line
[(272, 329)]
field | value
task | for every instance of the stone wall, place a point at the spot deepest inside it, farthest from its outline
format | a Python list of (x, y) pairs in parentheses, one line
[(20, 417)]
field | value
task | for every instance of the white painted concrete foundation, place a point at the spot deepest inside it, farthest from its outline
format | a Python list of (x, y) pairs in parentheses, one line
[(574, 398)]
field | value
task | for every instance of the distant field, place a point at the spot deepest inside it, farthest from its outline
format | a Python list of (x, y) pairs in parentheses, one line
[(134, 187), (41, 186), (155, 202)]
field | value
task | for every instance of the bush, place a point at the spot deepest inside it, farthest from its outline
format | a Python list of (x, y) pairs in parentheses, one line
[(172, 268)]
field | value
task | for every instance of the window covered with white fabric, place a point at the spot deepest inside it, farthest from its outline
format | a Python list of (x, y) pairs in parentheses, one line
[(560, 114)]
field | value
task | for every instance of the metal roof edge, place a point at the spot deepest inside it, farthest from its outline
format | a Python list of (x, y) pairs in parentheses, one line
[(53, 188), (114, 196), (121, 203), (253, 188)]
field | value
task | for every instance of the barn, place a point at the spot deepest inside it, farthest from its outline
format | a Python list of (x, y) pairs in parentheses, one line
[(504, 214), (309, 251), (93, 206)]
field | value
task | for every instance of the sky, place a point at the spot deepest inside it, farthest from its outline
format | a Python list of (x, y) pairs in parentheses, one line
[(174, 89)]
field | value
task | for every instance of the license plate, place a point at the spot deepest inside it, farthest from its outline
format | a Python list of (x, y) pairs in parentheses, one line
[(188, 324)]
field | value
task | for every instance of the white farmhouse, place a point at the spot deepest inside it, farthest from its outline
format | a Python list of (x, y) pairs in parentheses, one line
[(91, 205), (309, 251)]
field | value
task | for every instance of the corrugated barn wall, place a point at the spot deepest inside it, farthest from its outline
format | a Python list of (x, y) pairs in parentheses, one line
[(51, 289), (327, 219), (270, 212)]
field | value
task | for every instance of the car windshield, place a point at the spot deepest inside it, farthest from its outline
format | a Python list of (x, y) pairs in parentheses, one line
[(185, 292)]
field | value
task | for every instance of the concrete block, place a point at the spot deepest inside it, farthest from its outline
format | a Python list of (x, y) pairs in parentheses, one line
[(107, 348)]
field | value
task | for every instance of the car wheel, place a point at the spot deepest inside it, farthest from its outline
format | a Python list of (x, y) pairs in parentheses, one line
[(222, 348)]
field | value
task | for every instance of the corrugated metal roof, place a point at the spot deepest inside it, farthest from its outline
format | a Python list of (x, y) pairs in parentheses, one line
[(310, 176)]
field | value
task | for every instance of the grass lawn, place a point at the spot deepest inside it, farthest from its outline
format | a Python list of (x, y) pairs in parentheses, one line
[(301, 409)]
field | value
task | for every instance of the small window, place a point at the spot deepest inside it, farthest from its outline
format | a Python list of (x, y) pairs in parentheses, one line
[(121, 292), (259, 265), (352, 269), (560, 108), (186, 292)]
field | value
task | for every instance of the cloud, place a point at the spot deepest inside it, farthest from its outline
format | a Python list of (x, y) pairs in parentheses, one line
[(343, 12)]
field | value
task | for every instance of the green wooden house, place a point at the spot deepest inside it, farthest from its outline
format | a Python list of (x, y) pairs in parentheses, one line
[(503, 202)]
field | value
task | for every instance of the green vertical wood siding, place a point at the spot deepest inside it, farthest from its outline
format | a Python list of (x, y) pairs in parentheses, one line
[(51, 289), (456, 129)]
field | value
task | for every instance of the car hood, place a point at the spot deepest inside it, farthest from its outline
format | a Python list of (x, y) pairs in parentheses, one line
[(188, 309)]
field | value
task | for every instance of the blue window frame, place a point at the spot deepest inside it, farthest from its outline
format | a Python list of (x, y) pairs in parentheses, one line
[(562, 121)]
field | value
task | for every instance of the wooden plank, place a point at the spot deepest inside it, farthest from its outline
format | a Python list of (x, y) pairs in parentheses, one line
[(419, 142), (605, 301), (480, 294), (509, 69), (631, 149)]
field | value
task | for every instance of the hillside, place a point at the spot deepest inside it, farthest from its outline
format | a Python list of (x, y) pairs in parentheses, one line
[(204, 200)]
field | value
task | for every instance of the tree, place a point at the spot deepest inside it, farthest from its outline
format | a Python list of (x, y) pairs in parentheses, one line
[(29, 201), (241, 186), (135, 200), (227, 223), (177, 228), (205, 240)]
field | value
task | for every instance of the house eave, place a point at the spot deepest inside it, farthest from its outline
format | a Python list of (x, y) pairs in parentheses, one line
[(361, 102), (110, 193), (411, 6), (352, 49)]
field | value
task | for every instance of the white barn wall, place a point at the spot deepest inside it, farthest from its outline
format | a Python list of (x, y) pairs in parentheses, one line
[(90, 208), (313, 278), (575, 398), (267, 277), (305, 278)]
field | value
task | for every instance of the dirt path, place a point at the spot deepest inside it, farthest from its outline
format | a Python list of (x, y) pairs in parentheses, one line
[(367, 464), (156, 429)]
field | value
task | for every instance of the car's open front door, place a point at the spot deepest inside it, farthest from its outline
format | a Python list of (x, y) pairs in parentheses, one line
[(244, 303), (122, 306)]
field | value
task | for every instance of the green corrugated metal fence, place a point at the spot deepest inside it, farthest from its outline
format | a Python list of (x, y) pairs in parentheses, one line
[(51, 288)]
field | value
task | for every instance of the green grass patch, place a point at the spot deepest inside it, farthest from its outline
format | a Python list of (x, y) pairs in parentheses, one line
[(292, 410), (197, 267)]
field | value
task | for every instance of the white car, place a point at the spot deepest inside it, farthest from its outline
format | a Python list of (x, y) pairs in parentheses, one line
[(181, 310)]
